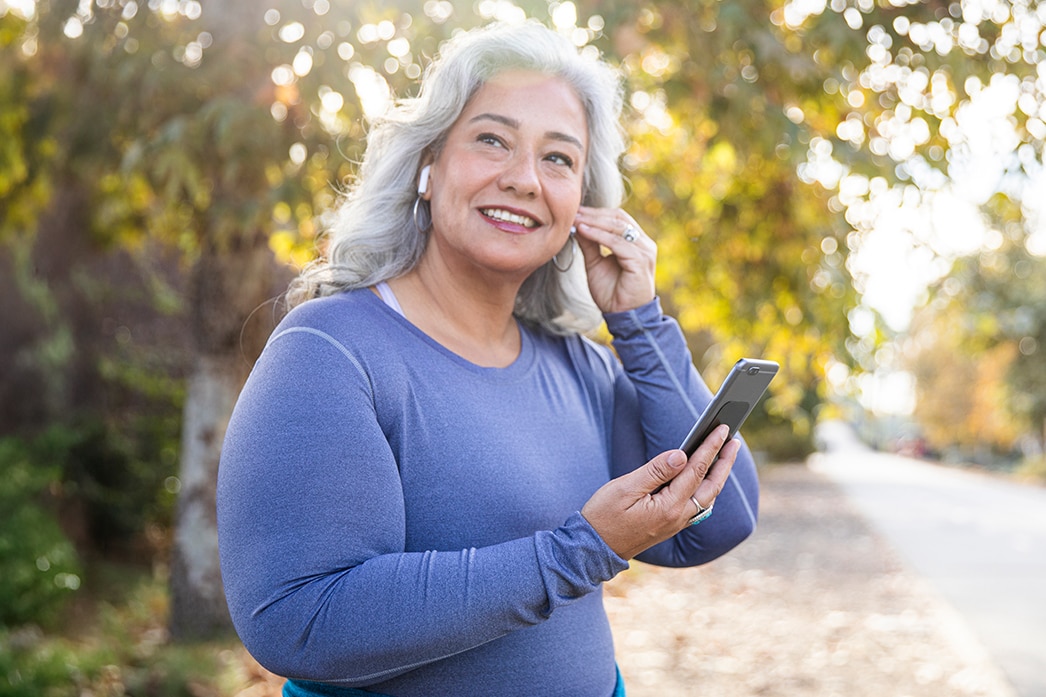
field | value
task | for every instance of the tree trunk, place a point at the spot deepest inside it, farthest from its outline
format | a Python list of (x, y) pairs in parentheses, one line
[(234, 277), (230, 281), (197, 600)]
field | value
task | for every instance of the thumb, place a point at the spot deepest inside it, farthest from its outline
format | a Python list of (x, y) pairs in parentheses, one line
[(658, 472)]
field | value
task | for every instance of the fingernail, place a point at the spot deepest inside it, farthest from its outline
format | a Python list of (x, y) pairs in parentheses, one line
[(676, 458)]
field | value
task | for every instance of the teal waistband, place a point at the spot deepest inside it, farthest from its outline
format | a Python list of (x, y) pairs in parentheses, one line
[(619, 688), (305, 688)]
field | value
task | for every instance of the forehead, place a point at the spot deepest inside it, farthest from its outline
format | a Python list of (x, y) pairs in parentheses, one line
[(533, 100)]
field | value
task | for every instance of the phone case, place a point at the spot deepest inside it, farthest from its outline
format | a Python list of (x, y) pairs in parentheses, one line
[(731, 405)]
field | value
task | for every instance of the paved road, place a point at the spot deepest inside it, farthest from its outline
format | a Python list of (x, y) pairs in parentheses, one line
[(979, 539)]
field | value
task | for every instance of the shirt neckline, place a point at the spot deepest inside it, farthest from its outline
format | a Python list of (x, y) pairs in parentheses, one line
[(387, 301)]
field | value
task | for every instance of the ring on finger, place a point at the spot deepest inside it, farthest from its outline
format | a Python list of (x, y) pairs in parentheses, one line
[(702, 511), (630, 234)]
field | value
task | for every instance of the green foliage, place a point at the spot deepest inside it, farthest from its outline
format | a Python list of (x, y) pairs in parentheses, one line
[(778, 442), (245, 134), (986, 321), (39, 568), (24, 149), (93, 479), (122, 651), (33, 665), (751, 261), (224, 133), (1032, 470), (774, 439), (120, 481)]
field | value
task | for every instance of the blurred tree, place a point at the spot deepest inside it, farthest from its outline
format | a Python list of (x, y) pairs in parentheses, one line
[(986, 322), (891, 107), (751, 259), (939, 106), (124, 140), (213, 133), (962, 398), (219, 130)]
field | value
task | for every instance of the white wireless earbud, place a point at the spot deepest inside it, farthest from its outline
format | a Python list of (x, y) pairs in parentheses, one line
[(423, 180)]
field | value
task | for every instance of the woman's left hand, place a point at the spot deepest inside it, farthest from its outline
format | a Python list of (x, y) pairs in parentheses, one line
[(623, 280)]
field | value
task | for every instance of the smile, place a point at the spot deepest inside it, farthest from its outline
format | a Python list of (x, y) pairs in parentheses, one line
[(507, 217)]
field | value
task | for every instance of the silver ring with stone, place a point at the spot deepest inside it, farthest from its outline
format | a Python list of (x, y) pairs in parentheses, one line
[(702, 512), (630, 235)]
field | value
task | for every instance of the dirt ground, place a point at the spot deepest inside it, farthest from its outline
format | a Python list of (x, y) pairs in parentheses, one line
[(813, 605)]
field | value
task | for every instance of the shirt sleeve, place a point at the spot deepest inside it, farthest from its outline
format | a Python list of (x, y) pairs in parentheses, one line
[(657, 399), (311, 531)]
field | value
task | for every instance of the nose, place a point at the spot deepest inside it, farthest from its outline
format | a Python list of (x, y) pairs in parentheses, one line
[(521, 176)]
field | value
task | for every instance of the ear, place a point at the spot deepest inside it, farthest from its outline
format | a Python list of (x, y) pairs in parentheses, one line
[(423, 182)]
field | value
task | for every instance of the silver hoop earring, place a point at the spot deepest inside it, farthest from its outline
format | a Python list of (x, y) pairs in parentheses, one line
[(572, 246), (422, 229)]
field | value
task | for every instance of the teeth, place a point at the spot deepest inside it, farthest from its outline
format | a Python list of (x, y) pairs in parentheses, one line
[(498, 214)]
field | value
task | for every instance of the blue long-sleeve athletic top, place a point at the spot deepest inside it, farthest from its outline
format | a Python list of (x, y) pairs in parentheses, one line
[(395, 518)]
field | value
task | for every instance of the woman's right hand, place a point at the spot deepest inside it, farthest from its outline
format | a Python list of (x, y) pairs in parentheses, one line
[(651, 504)]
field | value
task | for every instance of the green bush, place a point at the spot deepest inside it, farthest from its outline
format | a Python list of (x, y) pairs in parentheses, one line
[(778, 442), (39, 567), (121, 648), (32, 666), (116, 476), (1032, 470)]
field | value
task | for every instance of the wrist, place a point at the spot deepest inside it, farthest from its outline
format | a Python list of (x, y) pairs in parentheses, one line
[(625, 322)]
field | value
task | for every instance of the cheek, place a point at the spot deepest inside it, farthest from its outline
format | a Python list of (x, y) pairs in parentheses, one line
[(562, 191), (578, 193), (459, 180), (572, 201)]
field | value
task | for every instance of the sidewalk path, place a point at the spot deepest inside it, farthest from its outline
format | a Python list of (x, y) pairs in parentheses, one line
[(815, 604), (978, 539)]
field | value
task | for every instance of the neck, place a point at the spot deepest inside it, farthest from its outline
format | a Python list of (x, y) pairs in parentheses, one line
[(469, 315)]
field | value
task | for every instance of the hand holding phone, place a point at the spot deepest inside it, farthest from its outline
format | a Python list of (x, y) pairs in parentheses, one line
[(734, 401)]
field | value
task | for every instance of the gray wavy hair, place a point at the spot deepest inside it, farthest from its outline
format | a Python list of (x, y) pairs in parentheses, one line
[(371, 234)]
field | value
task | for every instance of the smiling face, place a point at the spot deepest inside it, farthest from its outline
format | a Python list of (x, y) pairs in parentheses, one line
[(506, 186)]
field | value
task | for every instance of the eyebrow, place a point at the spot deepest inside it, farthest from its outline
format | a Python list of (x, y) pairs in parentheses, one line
[(514, 123)]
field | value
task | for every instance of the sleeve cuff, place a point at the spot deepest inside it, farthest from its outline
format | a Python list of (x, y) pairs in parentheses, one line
[(575, 561), (623, 325)]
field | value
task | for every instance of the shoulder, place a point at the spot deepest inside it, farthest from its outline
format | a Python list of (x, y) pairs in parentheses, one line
[(590, 358), (345, 326), (598, 357), (330, 308), (341, 316)]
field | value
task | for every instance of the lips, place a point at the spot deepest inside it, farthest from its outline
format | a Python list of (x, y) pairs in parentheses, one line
[(507, 216)]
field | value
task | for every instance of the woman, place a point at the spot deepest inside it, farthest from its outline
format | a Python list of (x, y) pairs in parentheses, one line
[(430, 473)]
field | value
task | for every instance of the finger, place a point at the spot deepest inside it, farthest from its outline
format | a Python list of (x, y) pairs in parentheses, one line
[(705, 455), (715, 479), (638, 257), (602, 217), (607, 218), (710, 449), (610, 227), (624, 513), (656, 473), (615, 236), (590, 246), (700, 464)]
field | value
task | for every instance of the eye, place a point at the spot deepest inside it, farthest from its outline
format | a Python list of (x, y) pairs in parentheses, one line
[(561, 159), (490, 139)]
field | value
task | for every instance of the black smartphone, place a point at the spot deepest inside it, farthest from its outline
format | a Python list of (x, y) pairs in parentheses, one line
[(734, 401)]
